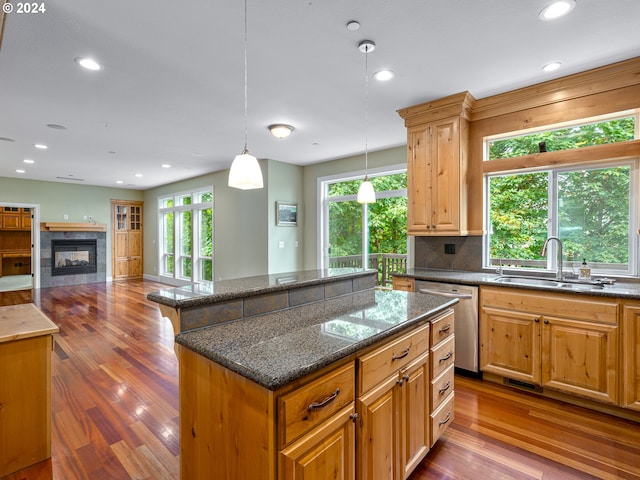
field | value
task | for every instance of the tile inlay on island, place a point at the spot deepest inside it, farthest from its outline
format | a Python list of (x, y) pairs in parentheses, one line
[(293, 377)]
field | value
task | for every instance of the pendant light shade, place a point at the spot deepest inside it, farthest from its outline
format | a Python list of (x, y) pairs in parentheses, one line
[(245, 172), (366, 193)]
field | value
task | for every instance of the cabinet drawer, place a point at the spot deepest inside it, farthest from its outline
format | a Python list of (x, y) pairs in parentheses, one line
[(403, 283), (441, 419), (374, 367), (309, 405), (442, 356), (441, 387), (442, 328)]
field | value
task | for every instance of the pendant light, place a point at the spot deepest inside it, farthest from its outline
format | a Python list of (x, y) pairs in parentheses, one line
[(245, 172), (366, 194)]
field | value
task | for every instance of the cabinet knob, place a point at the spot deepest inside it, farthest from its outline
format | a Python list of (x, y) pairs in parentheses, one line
[(537, 319), (546, 322), (354, 417)]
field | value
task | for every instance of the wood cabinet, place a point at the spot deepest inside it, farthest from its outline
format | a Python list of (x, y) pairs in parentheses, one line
[(631, 355), (16, 218), (26, 341), (535, 337), (437, 144), (127, 239), (441, 388), (405, 284), (369, 416)]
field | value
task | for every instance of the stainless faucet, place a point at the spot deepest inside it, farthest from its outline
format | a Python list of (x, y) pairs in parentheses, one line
[(559, 275)]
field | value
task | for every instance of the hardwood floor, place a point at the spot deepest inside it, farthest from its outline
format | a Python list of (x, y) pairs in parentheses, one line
[(115, 406)]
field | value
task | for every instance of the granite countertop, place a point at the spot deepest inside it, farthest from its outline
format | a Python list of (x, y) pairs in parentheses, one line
[(24, 321), (621, 289), (212, 292), (277, 348)]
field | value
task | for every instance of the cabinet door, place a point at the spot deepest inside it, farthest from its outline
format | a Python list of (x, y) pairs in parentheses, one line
[(631, 356), (378, 437), (510, 344), (26, 221), (11, 218), (419, 219), (414, 415), (580, 357), (445, 176), (328, 451)]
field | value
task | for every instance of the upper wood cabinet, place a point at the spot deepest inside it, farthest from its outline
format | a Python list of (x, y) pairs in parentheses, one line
[(437, 159), (16, 218), (127, 239)]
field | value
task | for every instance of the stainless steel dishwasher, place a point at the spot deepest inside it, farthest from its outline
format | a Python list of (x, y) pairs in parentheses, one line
[(466, 318)]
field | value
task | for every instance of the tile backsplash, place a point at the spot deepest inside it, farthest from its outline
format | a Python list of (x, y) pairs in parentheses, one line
[(430, 253)]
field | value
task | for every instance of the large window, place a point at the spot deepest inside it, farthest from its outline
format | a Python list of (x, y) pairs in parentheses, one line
[(384, 223), (591, 207), (186, 233)]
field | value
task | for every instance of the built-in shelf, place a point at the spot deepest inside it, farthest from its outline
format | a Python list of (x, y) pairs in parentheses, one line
[(72, 227)]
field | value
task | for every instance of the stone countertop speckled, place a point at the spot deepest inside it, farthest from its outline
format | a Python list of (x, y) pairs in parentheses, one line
[(621, 289), (211, 292), (278, 348)]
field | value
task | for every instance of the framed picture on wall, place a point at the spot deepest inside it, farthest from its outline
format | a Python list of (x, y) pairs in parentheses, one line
[(286, 214)]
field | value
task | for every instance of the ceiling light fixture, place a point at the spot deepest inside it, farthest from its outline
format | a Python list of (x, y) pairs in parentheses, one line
[(556, 9), (550, 67), (28, 160), (366, 194), (384, 75), (280, 130), (353, 26), (40, 146), (89, 64), (245, 172)]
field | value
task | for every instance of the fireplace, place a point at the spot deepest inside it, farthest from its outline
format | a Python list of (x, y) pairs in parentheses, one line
[(73, 257)]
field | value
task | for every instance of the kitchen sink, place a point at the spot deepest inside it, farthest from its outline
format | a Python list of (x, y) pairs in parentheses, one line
[(547, 282)]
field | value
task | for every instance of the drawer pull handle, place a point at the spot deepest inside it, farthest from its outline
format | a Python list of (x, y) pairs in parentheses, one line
[(325, 402), (402, 355), (446, 357), (446, 419), (445, 329), (445, 388)]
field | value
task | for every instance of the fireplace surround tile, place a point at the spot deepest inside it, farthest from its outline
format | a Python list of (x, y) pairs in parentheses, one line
[(47, 280)]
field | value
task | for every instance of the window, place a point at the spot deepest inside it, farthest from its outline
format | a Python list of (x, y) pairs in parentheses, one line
[(591, 207), (186, 233), (343, 221)]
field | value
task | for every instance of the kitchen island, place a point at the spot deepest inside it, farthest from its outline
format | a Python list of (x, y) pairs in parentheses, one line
[(288, 392)]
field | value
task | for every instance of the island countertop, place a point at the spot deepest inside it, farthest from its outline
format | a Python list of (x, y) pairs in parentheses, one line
[(22, 321), (205, 293), (277, 348)]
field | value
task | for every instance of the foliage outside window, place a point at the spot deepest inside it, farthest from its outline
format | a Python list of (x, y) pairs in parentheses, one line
[(186, 223), (589, 207), (346, 219)]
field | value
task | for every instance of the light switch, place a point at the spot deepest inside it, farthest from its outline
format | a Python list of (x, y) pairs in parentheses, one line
[(281, 244), (296, 244)]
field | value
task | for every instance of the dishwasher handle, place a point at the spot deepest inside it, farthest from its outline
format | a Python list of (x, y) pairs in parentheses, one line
[(463, 296)]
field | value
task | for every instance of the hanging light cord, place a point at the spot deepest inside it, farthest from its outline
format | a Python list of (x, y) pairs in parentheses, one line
[(246, 103), (366, 113)]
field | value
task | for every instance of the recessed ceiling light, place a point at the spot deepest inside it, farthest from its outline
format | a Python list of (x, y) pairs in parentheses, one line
[(556, 9), (88, 63), (119, 182), (166, 165), (41, 146), (138, 175), (384, 75), (7, 139), (550, 67), (353, 26), (55, 126), (28, 160), (20, 171)]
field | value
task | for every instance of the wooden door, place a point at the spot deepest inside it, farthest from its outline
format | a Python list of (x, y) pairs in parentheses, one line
[(328, 451), (510, 344), (414, 414), (127, 239), (580, 358), (445, 171), (11, 218), (378, 437), (631, 356), (419, 180)]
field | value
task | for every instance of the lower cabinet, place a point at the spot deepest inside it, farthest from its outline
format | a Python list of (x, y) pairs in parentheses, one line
[(561, 341), (631, 355)]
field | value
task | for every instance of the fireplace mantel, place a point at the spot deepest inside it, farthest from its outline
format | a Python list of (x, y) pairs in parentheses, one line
[(72, 227)]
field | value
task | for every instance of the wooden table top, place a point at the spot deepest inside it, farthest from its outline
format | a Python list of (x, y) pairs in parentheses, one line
[(24, 321)]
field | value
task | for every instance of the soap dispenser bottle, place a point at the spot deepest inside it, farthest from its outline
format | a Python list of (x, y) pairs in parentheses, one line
[(585, 272)]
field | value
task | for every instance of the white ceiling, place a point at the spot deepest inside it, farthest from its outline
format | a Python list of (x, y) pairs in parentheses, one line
[(171, 90)]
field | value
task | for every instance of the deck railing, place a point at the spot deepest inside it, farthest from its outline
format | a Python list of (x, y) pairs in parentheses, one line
[(385, 263)]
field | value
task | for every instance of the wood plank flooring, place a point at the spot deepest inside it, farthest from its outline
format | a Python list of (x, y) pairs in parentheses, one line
[(115, 406)]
